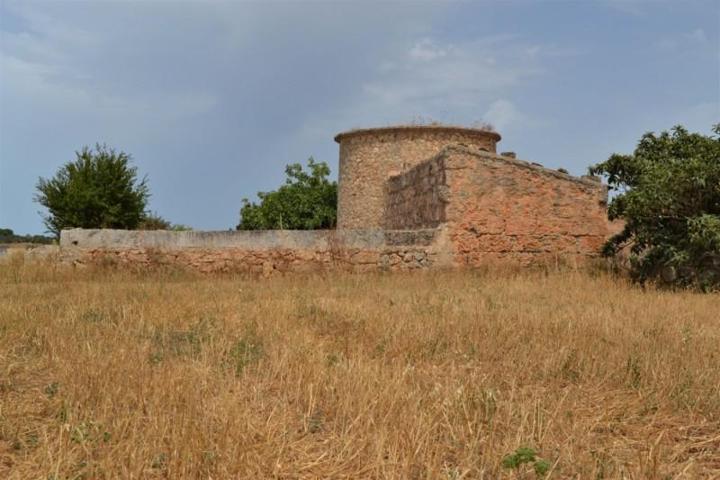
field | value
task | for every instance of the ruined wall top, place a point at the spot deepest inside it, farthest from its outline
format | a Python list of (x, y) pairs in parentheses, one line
[(419, 129)]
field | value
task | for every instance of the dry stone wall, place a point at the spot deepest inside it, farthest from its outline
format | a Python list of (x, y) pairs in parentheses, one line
[(504, 209), (417, 198), (409, 198), (368, 158), (258, 252)]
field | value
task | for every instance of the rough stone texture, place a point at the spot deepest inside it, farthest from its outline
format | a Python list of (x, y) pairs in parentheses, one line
[(417, 198), (242, 239), (260, 252), (503, 209), (369, 157), (409, 198)]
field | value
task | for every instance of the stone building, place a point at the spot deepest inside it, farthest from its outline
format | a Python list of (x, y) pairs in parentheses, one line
[(369, 157), (487, 206), (409, 197)]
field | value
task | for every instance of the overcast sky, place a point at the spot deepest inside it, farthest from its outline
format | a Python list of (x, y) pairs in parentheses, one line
[(213, 99)]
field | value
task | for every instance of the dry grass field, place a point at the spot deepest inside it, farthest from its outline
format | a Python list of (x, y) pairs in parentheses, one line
[(171, 375)]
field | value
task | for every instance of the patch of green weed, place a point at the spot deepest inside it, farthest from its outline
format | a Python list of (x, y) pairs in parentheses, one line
[(526, 456)]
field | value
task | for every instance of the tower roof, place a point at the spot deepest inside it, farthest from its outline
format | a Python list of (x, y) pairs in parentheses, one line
[(418, 129)]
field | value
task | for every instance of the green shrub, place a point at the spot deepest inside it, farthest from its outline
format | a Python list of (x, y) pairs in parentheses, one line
[(153, 221), (668, 195), (98, 190), (526, 455), (307, 201)]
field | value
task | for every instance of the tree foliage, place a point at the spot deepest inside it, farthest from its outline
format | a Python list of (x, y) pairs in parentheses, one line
[(99, 189), (153, 221), (8, 236), (307, 201), (668, 194)]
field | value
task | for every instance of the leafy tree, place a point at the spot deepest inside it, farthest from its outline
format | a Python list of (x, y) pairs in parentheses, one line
[(307, 201), (668, 194), (98, 190), (8, 236), (153, 221), (179, 227)]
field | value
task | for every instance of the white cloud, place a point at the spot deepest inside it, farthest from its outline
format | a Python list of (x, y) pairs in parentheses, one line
[(697, 35), (691, 39), (503, 113), (426, 50), (433, 79), (533, 50), (64, 69), (630, 7), (638, 7), (426, 80), (70, 93)]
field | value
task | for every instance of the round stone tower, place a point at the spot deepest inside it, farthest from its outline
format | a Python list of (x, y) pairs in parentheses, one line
[(369, 156)]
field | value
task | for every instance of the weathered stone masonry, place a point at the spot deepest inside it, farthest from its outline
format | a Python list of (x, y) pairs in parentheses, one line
[(418, 198), (368, 157), (496, 208), (262, 252), (505, 209), (409, 198)]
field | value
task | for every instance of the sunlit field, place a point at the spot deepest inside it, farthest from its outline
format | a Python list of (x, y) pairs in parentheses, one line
[(493, 374)]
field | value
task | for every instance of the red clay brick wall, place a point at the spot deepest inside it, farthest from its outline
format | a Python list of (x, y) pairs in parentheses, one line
[(417, 198), (504, 209)]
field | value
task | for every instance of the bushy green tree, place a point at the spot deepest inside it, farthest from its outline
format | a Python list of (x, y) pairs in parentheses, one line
[(153, 221), (99, 189), (8, 236), (307, 201), (179, 227), (668, 194)]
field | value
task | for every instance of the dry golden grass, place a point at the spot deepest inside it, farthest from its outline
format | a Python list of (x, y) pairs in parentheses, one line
[(170, 375)]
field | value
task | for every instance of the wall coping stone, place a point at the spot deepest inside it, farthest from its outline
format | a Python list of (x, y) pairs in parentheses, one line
[(586, 180), (243, 239), (417, 129)]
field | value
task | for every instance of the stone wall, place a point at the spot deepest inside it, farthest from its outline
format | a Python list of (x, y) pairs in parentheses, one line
[(409, 198), (261, 252), (501, 209), (417, 198), (369, 157)]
